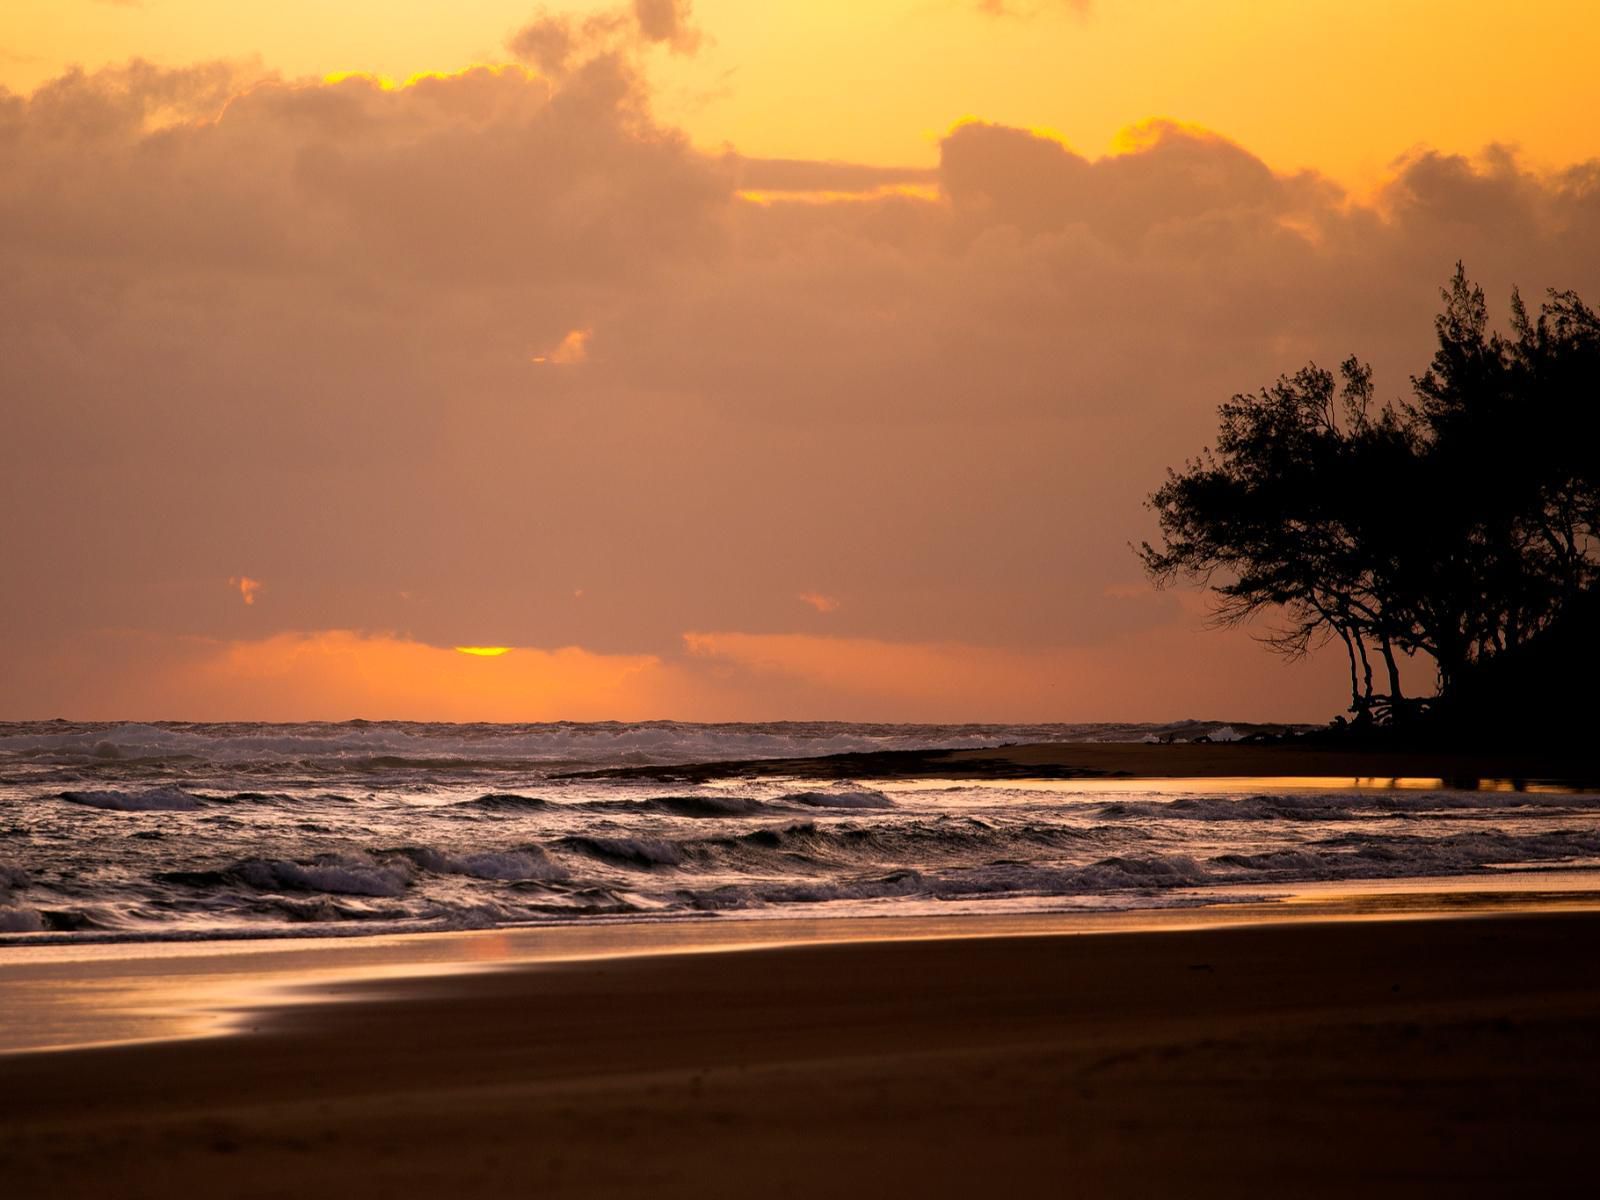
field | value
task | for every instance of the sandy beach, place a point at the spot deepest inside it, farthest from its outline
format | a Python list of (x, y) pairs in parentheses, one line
[(1308, 1057)]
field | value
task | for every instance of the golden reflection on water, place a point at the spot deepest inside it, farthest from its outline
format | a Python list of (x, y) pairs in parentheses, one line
[(85, 996), (1251, 784)]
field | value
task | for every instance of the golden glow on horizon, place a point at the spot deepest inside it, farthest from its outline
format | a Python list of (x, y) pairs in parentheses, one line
[(484, 651), (386, 83), (767, 197), (337, 674)]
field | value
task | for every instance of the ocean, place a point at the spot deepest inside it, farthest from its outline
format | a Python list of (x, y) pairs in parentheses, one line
[(112, 832)]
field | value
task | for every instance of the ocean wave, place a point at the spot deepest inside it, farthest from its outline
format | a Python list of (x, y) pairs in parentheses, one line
[(646, 853), (815, 847), (1364, 856), (814, 844), (399, 744), (707, 807), (902, 883), (163, 799), (20, 920), (1108, 876), (325, 909), (857, 799), (504, 802), (1340, 805), (258, 846), (339, 874), (527, 863)]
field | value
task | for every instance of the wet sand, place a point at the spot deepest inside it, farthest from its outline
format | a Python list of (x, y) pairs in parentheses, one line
[(1452, 1056)]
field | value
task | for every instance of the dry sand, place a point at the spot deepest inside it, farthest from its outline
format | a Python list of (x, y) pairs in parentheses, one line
[(1310, 1058)]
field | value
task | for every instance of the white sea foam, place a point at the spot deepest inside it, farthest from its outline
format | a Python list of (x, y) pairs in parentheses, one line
[(275, 830), (512, 865)]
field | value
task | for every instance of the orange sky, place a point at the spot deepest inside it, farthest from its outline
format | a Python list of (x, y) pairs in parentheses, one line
[(311, 376), (1344, 86)]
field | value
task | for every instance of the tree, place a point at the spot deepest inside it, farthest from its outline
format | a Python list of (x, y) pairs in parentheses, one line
[(1459, 525)]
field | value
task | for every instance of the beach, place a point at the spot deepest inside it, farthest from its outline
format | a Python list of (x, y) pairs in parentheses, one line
[(641, 598), (1317, 1056), (1338, 1028)]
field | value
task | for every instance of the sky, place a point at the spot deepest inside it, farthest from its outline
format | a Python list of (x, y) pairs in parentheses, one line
[(722, 362)]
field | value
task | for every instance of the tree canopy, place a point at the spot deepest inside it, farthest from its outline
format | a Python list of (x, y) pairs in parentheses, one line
[(1459, 525)]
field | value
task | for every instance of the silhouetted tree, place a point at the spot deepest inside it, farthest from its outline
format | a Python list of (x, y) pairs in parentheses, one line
[(1460, 525)]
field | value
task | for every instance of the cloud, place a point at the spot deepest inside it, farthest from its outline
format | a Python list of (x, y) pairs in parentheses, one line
[(569, 351), (292, 321), (330, 674), (554, 42), (819, 602), (246, 587), (327, 672), (666, 21), (800, 175)]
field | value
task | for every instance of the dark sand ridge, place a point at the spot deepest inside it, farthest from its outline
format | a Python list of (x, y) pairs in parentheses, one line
[(1378, 1057), (1078, 760)]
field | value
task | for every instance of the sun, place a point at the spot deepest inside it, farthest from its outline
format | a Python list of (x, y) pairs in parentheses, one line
[(484, 651)]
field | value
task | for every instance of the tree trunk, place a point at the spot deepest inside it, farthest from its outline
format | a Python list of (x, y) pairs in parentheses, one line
[(1364, 713), (1366, 671), (1350, 651), (1394, 672)]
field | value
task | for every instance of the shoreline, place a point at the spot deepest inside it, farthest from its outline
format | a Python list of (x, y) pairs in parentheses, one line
[(1455, 1051), (1139, 760), (72, 995)]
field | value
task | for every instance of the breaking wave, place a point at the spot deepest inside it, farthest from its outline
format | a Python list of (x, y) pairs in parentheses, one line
[(503, 803), (178, 831), (840, 799), (379, 744), (165, 799)]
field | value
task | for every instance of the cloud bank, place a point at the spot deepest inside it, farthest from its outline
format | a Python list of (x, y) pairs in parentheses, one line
[(497, 358)]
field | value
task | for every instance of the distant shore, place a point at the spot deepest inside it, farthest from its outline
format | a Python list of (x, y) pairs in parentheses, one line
[(1314, 1058), (1289, 759)]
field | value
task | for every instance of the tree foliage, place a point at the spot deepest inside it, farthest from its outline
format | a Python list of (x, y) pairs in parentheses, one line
[(1458, 525)]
